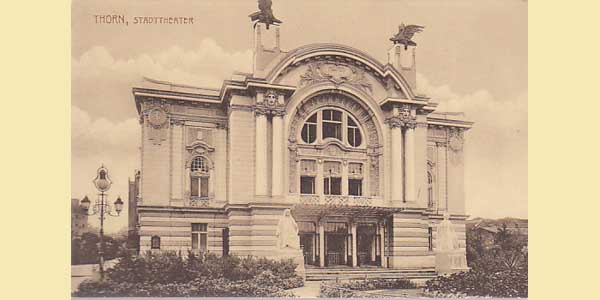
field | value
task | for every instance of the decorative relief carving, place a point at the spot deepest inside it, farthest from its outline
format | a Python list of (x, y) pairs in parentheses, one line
[(293, 159), (437, 133), (404, 119), (199, 134), (156, 115), (337, 73), (270, 105), (455, 139), (199, 202), (374, 153)]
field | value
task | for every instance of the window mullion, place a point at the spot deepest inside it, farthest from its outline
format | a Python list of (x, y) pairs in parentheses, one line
[(344, 128), (319, 126)]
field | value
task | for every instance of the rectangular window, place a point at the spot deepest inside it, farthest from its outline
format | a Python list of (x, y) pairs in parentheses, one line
[(355, 187), (203, 186), (332, 124), (332, 115), (332, 185), (307, 185), (199, 186), (200, 236), (430, 238), (332, 130), (194, 187)]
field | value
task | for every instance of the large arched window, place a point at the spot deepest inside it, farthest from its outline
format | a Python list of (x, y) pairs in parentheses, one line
[(199, 175), (332, 124)]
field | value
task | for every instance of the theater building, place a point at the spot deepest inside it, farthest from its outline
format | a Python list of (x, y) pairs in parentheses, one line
[(366, 164)]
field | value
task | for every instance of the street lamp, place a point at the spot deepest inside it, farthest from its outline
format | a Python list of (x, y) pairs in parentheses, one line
[(102, 183)]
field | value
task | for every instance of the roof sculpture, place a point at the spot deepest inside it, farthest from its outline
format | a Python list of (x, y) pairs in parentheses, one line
[(265, 14)]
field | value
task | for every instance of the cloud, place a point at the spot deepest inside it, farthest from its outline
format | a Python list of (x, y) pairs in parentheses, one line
[(105, 128), (96, 141), (496, 148), (101, 83)]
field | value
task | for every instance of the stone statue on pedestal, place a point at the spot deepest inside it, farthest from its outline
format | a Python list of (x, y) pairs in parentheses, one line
[(288, 242), (446, 237), (287, 232), (449, 258)]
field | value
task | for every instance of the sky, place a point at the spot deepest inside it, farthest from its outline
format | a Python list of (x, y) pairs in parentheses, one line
[(471, 57)]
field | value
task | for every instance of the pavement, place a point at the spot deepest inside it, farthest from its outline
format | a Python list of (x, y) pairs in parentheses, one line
[(311, 289)]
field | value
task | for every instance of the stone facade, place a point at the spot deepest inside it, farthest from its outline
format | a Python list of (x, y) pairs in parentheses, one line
[(366, 165)]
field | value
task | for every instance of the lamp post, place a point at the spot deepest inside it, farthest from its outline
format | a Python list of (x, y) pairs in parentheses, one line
[(102, 208)]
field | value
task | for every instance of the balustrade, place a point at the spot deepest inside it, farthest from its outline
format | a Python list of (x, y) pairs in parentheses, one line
[(338, 200)]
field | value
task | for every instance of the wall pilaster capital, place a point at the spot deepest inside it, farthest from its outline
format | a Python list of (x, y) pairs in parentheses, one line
[(401, 121), (456, 139)]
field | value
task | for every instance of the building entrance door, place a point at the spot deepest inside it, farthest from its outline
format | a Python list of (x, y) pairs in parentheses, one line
[(307, 243), (335, 249), (366, 244)]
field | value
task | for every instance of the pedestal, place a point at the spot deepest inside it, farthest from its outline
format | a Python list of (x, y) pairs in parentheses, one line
[(448, 262)]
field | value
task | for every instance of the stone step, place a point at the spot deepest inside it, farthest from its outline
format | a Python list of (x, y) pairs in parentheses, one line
[(372, 276), (362, 273), (366, 271)]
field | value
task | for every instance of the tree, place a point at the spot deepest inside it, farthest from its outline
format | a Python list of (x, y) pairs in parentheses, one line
[(84, 249)]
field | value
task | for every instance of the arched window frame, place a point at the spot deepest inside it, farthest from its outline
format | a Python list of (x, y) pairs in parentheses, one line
[(344, 128), (200, 180)]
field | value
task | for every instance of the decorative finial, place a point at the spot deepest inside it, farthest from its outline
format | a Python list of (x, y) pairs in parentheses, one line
[(405, 34), (265, 15)]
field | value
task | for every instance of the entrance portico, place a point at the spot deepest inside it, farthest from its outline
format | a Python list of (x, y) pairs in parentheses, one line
[(343, 235)]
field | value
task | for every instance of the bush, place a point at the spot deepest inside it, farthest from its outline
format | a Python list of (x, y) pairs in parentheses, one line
[(497, 270), (353, 288), (84, 249), (170, 275), (479, 283)]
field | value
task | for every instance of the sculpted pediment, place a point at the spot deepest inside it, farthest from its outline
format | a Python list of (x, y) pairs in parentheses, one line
[(337, 73), (339, 65)]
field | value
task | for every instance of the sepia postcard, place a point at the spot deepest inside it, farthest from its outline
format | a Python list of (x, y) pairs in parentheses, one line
[(279, 148)]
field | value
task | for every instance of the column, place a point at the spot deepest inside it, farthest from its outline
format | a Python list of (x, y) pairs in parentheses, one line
[(382, 244), (354, 250), (277, 165), (321, 244), (261, 154), (344, 178), (409, 136), (396, 157), (319, 179), (441, 175)]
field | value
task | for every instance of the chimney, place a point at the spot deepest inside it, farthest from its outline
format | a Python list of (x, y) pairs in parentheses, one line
[(403, 59)]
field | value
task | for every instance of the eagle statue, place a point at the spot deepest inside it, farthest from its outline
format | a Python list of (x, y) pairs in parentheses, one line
[(405, 34), (265, 14)]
